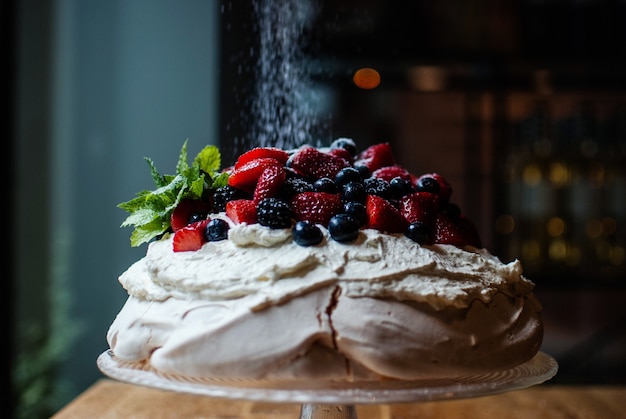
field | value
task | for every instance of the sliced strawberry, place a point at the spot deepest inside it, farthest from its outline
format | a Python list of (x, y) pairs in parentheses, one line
[(246, 176), (185, 210), (316, 207), (383, 216), (269, 183), (376, 156), (190, 237), (445, 189), (260, 153), (460, 232), (241, 211), (315, 164), (389, 172), (419, 206), (343, 154)]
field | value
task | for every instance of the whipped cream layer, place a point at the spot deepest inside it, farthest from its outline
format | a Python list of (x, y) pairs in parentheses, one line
[(260, 306), (270, 268)]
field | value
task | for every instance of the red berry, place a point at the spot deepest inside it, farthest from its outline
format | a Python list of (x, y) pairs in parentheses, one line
[(190, 238), (184, 210), (460, 232), (376, 156), (343, 154), (246, 176), (316, 207), (445, 189), (389, 172), (269, 183), (312, 163), (383, 216), (262, 152), (241, 211), (419, 206)]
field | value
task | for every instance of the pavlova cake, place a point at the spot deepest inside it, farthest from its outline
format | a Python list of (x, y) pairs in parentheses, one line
[(316, 263)]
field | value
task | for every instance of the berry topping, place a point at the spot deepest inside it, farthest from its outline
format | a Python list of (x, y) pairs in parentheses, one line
[(343, 228), (274, 213), (269, 183), (357, 211), (347, 144), (190, 238), (347, 175), (389, 172), (376, 156), (399, 187), (227, 193), (246, 176), (294, 186), (260, 153), (383, 216), (325, 185), (445, 190), (315, 164), (419, 232), (216, 230), (420, 206), (188, 211), (306, 233), (460, 233), (241, 211), (353, 192), (316, 207)]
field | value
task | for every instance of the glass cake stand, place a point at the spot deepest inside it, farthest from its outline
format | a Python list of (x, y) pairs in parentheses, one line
[(326, 399)]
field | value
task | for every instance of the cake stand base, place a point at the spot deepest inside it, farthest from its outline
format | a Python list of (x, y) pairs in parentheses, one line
[(326, 411)]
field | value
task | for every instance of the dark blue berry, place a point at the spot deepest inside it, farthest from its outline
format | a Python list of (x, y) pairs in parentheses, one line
[(196, 217), (353, 191), (306, 233), (274, 213), (378, 187), (356, 210), (216, 230), (399, 187), (347, 175), (343, 228), (345, 143), (325, 185), (363, 170), (293, 186), (419, 232), (427, 184)]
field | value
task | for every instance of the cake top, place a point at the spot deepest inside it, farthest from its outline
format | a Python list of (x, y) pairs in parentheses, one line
[(307, 189)]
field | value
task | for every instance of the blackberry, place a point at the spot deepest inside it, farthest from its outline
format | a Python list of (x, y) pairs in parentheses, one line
[(274, 213), (216, 230), (378, 187), (294, 186), (306, 233), (226, 194)]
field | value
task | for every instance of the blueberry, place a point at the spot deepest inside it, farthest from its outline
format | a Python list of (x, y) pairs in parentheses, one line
[(306, 233), (325, 185), (363, 170), (353, 191), (216, 230), (418, 232), (343, 228), (345, 143), (428, 184), (356, 210), (347, 175), (400, 187)]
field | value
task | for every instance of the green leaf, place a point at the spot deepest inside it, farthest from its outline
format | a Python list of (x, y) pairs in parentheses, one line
[(150, 211)]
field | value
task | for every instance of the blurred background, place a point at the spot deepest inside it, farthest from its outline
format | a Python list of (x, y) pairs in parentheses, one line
[(520, 104)]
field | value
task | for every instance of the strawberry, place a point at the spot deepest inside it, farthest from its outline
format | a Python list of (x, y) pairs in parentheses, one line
[(376, 156), (182, 214), (389, 172), (445, 189), (241, 211), (190, 237), (383, 216), (262, 152), (343, 154), (269, 183), (419, 206), (316, 207), (460, 232), (312, 163), (246, 176)]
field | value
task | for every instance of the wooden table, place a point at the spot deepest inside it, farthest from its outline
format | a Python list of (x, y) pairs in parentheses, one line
[(111, 399)]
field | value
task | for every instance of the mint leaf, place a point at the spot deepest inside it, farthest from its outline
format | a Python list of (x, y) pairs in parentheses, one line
[(150, 211)]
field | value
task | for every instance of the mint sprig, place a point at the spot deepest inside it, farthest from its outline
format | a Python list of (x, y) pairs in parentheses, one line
[(150, 211)]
